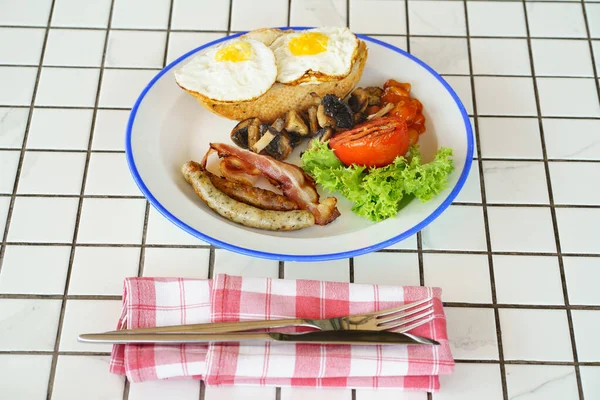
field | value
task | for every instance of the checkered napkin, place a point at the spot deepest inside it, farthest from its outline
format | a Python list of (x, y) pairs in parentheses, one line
[(149, 302)]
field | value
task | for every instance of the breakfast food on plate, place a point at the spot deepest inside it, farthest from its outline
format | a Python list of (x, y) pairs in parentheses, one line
[(320, 61)]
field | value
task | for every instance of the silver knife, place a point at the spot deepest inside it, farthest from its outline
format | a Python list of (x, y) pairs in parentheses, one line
[(319, 337)]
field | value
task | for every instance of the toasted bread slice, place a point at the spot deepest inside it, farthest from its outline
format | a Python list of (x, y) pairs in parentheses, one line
[(280, 98)]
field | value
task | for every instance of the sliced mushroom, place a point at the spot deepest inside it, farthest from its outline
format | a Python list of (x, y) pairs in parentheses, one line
[(324, 119), (382, 111), (295, 139), (374, 95), (334, 107), (280, 148), (295, 123), (313, 122), (253, 132), (279, 124), (267, 137), (359, 100), (239, 134), (359, 117), (324, 134)]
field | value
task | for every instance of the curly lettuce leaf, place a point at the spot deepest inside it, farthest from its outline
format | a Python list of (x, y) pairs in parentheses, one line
[(379, 193)]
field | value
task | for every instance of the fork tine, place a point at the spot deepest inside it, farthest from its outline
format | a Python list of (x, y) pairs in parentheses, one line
[(398, 315), (412, 326), (394, 310), (404, 321)]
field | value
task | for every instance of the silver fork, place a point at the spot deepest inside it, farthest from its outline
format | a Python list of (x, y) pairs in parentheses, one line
[(399, 319)]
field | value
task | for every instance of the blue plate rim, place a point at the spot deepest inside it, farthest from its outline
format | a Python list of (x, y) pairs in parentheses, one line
[(291, 257)]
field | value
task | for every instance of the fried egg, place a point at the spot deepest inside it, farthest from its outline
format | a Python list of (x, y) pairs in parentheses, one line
[(237, 70), (314, 55)]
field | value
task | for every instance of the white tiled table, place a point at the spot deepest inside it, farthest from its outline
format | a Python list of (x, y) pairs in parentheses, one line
[(518, 254)]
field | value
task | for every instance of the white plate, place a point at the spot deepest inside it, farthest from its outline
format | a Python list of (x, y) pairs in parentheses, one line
[(168, 127)]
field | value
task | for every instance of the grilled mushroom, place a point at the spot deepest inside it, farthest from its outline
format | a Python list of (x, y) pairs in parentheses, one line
[(324, 134), (240, 133), (295, 139), (279, 148), (374, 93), (295, 123), (313, 122), (324, 119), (334, 107), (359, 100), (267, 135), (382, 111), (279, 124)]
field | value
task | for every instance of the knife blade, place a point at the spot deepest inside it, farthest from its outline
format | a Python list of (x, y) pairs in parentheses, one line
[(318, 337)]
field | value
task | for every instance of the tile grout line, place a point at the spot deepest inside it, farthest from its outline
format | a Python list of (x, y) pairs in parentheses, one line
[(485, 212), (589, 38), (552, 208), (78, 216)]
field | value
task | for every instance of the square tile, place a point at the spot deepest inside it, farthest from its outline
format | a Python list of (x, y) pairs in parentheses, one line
[(24, 376), (555, 20), (592, 12), (13, 122), (523, 229), (9, 162), (510, 138), (176, 263), (228, 262), (102, 270), (398, 41), (541, 382), (441, 271), (462, 87), (489, 57), (163, 231), (67, 87), (43, 219), (126, 14), (583, 143), (564, 97), (387, 269), (578, 229), (111, 221), (233, 392), (596, 49), (590, 379), (505, 96), (49, 131), (31, 13), (62, 172), (135, 49), (378, 16), (86, 377), (108, 174), (472, 333), (77, 320), (164, 389), (471, 382), (4, 204), (496, 18), (371, 394), (109, 130), (521, 339), (47, 264), (586, 324), (441, 234), (318, 13), (121, 87), (332, 271), (436, 18), (28, 324), (288, 393), (191, 14), (263, 12), (182, 42), (471, 191), (25, 51), (74, 47), (17, 85), (574, 57), (528, 280), (571, 191), (73, 13), (410, 243), (581, 274), (515, 182), (445, 55)]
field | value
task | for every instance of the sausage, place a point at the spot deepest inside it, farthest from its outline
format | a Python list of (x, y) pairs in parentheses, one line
[(239, 212), (257, 197)]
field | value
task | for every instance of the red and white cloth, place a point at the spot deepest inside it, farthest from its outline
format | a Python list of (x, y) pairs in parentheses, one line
[(149, 302)]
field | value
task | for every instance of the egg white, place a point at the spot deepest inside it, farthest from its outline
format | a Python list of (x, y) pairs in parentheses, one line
[(333, 63), (228, 80)]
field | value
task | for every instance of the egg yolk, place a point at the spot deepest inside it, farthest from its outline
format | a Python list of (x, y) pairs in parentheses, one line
[(308, 44), (235, 52)]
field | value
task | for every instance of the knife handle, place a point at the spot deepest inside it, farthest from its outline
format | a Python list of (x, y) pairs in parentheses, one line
[(170, 338)]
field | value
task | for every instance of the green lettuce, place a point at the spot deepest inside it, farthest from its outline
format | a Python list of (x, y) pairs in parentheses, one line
[(379, 193)]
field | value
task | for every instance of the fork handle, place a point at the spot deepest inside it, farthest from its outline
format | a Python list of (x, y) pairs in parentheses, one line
[(218, 327)]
